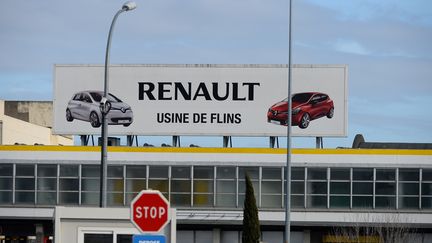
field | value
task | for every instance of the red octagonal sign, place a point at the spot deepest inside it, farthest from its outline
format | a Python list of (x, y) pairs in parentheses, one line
[(149, 211)]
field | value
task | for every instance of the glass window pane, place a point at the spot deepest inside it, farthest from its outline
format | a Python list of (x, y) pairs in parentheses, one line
[(362, 202), (226, 172), (409, 202), (69, 170), (426, 202), (6, 169), (408, 188), (115, 185), (90, 171), (68, 197), (6, 183), (362, 174), (180, 172), (385, 202), (115, 199), (5, 197), (317, 174), (115, 171), (90, 185), (90, 198), (25, 183), (203, 200), (339, 201), (363, 188), (69, 185), (98, 238), (158, 171), (339, 174), (226, 186), (180, 199), (226, 200), (47, 170), (408, 174), (340, 188), (181, 186), (136, 171), (383, 188), (135, 185), (160, 185), (253, 172), (385, 174), (25, 170), (297, 187), (201, 186), (297, 173), (297, 201), (316, 201), (47, 184), (272, 187), (427, 175), (25, 197), (427, 189), (272, 173), (46, 198), (271, 201), (317, 188), (124, 238), (201, 172)]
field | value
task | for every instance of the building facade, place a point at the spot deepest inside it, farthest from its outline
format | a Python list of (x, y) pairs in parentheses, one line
[(330, 189)]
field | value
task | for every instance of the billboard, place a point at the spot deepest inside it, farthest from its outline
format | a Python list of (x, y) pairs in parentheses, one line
[(222, 100)]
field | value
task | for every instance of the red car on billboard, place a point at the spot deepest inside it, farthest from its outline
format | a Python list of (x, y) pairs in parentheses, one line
[(306, 107)]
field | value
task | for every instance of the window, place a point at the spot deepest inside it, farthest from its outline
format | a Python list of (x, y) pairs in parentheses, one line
[(271, 187), (181, 186), (203, 186), (25, 184), (135, 181), (226, 186), (158, 179), (317, 187), (69, 184), (362, 188), (340, 188), (297, 186), (6, 183), (47, 184), (115, 185), (427, 189), (90, 184), (385, 188), (409, 188)]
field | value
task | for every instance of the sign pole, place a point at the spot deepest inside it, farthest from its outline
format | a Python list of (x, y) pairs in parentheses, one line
[(289, 121)]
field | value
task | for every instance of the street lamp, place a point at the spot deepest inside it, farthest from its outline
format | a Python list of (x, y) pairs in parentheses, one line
[(288, 158), (105, 107)]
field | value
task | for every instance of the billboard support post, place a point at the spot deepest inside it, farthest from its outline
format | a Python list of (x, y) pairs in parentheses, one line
[(289, 121), (103, 173)]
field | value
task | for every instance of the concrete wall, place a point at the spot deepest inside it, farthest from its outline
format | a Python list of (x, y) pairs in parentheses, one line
[(15, 130), (35, 112)]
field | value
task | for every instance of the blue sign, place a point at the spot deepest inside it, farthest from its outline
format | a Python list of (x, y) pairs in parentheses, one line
[(148, 239)]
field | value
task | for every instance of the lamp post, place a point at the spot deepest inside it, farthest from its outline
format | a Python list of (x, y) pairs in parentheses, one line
[(105, 107), (288, 160)]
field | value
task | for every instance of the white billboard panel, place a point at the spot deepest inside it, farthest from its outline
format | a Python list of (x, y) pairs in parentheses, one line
[(229, 100)]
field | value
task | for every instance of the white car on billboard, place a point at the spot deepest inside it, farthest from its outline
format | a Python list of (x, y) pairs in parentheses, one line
[(86, 106)]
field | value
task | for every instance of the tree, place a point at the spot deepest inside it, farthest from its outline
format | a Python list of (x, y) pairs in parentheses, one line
[(251, 226)]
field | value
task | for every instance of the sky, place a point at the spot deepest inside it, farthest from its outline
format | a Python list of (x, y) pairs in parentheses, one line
[(386, 45)]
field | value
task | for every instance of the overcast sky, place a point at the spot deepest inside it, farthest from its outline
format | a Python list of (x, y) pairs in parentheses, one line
[(386, 44)]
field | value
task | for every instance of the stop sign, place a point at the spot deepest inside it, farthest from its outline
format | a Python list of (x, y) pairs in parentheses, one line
[(149, 211)]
